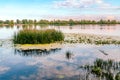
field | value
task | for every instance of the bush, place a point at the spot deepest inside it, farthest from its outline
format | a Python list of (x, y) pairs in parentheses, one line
[(38, 36)]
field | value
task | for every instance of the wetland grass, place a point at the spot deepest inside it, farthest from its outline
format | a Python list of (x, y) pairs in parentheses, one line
[(104, 69), (38, 36)]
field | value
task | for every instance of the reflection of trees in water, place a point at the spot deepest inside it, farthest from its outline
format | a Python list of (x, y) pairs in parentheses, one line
[(7, 26), (43, 25), (36, 52), (107, 27), (103, 70), (18, 26), (25, 26), (70, 27)]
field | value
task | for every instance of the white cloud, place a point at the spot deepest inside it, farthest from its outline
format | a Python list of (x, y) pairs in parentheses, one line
[(85, 4), (3, 69)]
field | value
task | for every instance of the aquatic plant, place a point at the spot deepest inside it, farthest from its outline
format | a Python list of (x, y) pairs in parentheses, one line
[(29, 36), (117, 77), (104, 69), (97, 71), (68, 54), (91, 39)]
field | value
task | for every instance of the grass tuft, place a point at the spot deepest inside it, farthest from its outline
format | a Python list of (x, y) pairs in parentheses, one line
[(38, 36)]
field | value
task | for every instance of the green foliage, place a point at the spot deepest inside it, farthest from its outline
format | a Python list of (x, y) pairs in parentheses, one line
[(117, 77), (43, 22), (9, 22), (1, 22), (38, 36), (59, 22), (25, 21), (97, 71), (18, 21)]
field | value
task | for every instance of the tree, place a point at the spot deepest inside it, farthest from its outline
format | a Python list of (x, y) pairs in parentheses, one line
[(30, 22), (71, 22), (1, 22), (101, 22), (43, 22), (24, 21), (35, 21), (11, 22), (18, 21), (6, 22)]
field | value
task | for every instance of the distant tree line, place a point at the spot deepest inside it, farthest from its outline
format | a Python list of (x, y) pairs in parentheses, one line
[(57, 22)]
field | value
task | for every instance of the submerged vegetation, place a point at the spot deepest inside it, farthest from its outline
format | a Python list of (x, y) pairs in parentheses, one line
[(38, 36), (57, 22)]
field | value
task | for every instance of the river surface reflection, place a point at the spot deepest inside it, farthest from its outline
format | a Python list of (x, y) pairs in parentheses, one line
[(111, 30), (53, 65)]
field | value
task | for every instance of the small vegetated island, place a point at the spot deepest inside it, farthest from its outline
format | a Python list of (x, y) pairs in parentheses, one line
[(38, 39)]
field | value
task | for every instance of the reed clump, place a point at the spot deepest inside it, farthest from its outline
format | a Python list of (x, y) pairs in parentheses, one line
[(37, 36)]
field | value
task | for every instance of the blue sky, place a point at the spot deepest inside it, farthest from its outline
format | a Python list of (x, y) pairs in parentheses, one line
[(61, 9)]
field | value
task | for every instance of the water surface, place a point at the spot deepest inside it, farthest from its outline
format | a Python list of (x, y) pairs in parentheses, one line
[(111, 30), (55, 65)]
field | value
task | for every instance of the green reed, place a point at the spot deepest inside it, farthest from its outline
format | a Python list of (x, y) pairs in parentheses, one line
[(38, 36)]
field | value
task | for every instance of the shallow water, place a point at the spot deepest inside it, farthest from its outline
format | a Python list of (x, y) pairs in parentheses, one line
[(54, 65)]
